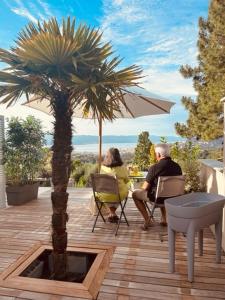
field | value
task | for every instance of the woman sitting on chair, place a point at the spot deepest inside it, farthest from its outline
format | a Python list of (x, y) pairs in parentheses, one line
[(113, 165)]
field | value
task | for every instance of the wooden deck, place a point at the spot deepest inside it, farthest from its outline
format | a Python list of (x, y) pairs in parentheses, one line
[(139, 266)]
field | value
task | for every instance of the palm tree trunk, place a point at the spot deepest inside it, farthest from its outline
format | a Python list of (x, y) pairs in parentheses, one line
[(61, 165)]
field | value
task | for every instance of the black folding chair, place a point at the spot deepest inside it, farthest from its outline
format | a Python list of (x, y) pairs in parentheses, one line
[(102, 183)]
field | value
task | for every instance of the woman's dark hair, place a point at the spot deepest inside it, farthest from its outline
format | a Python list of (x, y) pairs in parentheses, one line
[(112, 158)]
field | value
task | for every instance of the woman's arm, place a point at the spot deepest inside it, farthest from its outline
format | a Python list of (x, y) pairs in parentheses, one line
[(126, 178)]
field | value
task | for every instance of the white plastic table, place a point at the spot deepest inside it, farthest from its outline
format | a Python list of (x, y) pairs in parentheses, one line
[(189, 214)]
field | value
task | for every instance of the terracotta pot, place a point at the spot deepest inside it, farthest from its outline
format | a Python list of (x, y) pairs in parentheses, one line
[(17, 195)]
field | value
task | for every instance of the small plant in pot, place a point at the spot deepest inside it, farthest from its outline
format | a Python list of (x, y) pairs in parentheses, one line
[(23, 155)]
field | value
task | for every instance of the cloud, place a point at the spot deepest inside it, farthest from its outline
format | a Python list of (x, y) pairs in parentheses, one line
[(22, 112), (45, 7), (156, 35), (118, 2), (118, 15), (159, 36), (31, 10), (157, 125), (23, 12), (165, 83)]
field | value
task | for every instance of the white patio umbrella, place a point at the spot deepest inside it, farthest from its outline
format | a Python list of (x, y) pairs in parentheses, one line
[(138, 105)]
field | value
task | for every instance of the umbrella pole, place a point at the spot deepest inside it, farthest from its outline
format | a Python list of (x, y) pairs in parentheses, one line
[(100, 143)]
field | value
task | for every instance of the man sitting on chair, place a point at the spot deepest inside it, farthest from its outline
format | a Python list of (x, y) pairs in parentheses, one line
[(164, 167)]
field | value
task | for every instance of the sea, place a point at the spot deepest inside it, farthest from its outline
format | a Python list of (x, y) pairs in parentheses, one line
[(125, 143), (93, 148)]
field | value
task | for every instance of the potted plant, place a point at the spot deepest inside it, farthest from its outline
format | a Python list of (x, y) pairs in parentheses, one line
[(23, 154)]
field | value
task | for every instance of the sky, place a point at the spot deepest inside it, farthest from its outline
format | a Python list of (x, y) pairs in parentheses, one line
[(157, 35)]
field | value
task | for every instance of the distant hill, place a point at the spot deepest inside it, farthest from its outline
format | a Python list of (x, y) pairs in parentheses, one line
[(110, 139)]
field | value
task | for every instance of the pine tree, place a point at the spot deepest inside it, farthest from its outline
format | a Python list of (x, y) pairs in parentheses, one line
[(204, 121), (141, 154), (152, 155), (163, 139)]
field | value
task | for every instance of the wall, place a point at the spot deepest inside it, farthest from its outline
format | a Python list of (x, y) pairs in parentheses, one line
[(2, 176), (211, 175)]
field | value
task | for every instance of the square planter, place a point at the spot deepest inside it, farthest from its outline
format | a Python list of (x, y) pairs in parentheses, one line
[(18, 195), (16, 275)]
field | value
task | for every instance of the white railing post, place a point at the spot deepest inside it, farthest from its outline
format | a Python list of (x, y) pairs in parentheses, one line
[(2, 174), (223, 101)]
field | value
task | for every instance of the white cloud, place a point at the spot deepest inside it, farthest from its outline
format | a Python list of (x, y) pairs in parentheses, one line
[(46, 8), (119, 15), (149, 36), (128, 126), (23, 12), (30, 10), (20, 111), (156, 34), (118, 2), (88, 126), (165, 83)]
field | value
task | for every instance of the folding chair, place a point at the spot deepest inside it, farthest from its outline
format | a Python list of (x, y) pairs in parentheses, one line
[(167, 187), (102, 183)]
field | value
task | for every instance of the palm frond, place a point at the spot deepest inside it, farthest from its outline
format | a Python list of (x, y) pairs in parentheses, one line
[(102, 88), (11, 78), (49, 59)]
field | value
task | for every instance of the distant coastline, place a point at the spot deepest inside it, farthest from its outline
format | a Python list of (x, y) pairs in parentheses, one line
[(93, 148), (125, 143), (112, 139)]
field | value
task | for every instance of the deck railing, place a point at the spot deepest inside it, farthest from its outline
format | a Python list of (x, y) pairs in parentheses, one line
[(212, 177)]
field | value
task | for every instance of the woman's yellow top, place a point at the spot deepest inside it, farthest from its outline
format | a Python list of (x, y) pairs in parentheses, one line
[(122, 177)]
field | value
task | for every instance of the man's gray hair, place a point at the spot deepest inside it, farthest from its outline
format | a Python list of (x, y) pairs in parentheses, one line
[(162, 149)]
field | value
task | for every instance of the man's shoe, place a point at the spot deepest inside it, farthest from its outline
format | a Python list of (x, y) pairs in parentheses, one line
[(113, 219), (146, 225)]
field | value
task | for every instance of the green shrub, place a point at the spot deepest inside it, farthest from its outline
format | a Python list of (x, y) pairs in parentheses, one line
[(187, 155), (81, 172), (23, 150), (46, 165), (216, 154), (152, 159), (142, 150)]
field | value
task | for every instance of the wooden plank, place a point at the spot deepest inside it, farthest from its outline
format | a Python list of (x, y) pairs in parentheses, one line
[(62, 288), (100, 267), (19, 262)]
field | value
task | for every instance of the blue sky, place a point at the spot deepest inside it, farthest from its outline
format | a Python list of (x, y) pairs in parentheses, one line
[(158, 35)]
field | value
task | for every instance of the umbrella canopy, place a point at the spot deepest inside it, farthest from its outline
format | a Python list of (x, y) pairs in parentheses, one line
[(137, 105)]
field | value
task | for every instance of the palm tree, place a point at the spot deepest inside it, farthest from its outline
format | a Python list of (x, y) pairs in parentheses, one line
[(64, 64)]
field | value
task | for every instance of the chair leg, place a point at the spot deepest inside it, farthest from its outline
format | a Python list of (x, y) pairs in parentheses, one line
[(190, 252), (99, 213), (171, 244), (148, 209), (118, 225), (122, 213), (153, 209), (200, 242), (218, 230)]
